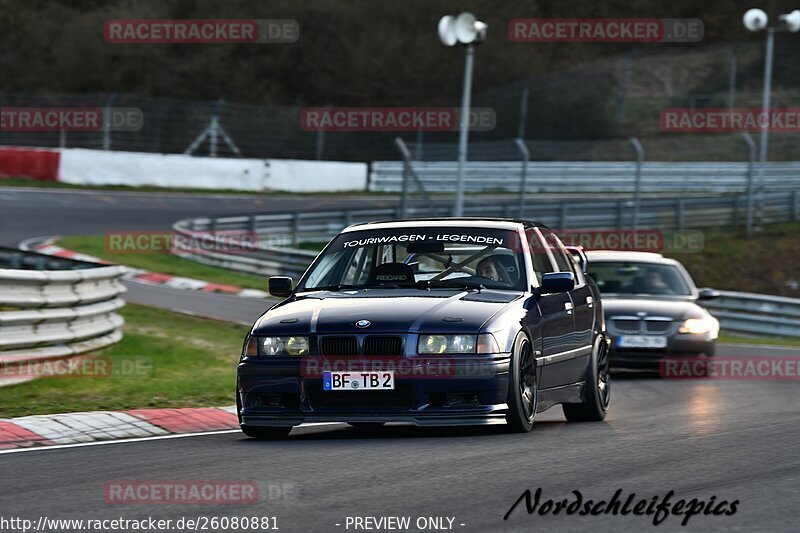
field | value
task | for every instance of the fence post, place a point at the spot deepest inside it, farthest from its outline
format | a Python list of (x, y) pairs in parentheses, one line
[(638, 183), (320, 144), (563, 223), (295, 230), (213, 132), (680, 214), (620, 213), (408, 172), (525, 153), (107, 122), (751, 161), (624, 94), (732, 79), (523, 110), (794, 205), (253, 223), (406, 155)]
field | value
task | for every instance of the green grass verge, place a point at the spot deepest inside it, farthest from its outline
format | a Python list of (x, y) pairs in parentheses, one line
[(766, 263), (727, 338), (314, 246), (163, 263), (183, 361)]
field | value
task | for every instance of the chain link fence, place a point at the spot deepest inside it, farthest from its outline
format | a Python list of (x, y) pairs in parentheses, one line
[(584, 114)]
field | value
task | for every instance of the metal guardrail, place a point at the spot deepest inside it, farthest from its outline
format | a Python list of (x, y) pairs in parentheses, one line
[(590, 176), (68, 309), (280, 234), (756, 314)]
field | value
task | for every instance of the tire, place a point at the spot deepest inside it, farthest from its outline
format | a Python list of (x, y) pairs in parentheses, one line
[(712, 350), (266, 433), (523, 390), (595, 406)]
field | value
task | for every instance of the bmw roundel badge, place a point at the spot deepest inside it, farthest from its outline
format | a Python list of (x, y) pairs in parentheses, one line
[(363, 323)]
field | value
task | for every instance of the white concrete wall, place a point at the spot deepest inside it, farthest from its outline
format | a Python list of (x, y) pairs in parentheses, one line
[(97, 167), (313, 176)]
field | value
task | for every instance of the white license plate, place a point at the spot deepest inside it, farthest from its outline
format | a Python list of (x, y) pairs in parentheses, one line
[(642, 341), (358, 380)]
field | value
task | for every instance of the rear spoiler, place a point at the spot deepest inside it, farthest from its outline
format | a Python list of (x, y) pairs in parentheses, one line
[(579, 256)]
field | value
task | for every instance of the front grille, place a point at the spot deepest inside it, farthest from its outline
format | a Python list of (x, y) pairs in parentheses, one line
[(628, 326), (383, 346), (657, 326), (342, 345)]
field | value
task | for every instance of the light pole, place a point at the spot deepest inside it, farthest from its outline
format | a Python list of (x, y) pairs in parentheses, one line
[(756, 20), (463, 29)]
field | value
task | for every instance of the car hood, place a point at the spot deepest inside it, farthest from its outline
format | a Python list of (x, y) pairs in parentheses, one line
[(674, 309), (386, 310)]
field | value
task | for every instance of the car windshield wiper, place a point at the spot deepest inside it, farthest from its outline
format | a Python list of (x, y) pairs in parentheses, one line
[(336, 287), (344, 287), (448, 283)]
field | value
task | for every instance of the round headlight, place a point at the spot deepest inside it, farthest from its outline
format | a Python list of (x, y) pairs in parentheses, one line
[(297, 346), (271, 345), (462, 344), (433, 344)]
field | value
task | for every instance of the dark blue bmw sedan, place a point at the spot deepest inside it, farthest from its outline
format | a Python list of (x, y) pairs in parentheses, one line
[(431, 322)]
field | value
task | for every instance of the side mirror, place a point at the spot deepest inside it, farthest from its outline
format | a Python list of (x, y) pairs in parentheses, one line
[(579, 255), (707, 293), (280, 286), (553, 282)]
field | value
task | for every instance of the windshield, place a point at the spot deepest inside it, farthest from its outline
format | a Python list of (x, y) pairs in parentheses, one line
[(639, 278), (420, 257)]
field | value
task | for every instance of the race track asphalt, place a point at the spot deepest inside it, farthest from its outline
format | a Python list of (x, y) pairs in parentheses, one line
[(732, 440), (728, 439)]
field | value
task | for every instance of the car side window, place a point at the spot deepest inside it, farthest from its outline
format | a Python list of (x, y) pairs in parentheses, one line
[(539, 256), (580, 279), (558, 253)]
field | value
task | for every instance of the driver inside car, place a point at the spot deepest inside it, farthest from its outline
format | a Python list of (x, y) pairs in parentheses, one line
[(490, 268), (654, 283)]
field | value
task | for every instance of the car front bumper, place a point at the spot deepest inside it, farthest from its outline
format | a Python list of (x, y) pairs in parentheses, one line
[(681, 345), (472, 391)]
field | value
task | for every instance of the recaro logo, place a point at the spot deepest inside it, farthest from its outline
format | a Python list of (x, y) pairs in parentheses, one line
[(390, 277)]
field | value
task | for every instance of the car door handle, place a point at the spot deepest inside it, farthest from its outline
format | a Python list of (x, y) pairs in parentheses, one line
[(568, 307), (589, 301)]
